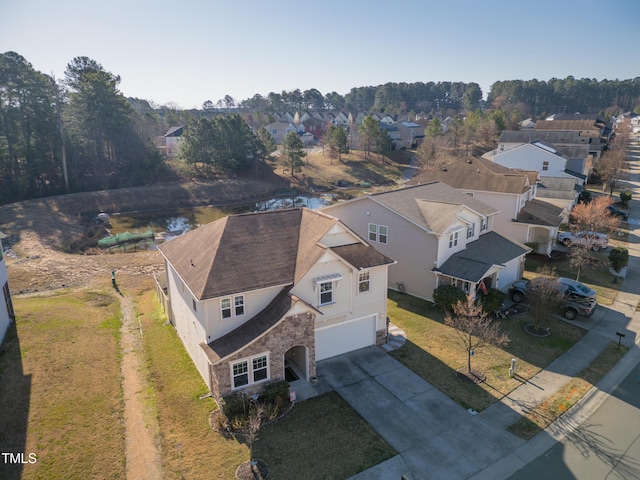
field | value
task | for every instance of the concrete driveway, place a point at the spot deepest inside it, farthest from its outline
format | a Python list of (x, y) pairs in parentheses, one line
[(435, 437)]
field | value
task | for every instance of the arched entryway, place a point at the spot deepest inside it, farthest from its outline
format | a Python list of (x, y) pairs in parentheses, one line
[(296, 365)]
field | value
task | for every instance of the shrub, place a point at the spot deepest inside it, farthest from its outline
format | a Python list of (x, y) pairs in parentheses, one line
[(277, 392), (625, 198), (235, 406), (492, 300), (585, 196), (446, 296), (619, 258)]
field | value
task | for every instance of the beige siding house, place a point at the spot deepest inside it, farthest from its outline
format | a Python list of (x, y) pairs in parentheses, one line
[(6, 305), (521, 216), (437, 234), (263, 297)]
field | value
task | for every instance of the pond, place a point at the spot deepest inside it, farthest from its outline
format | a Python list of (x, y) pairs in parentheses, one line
[(175, 222)]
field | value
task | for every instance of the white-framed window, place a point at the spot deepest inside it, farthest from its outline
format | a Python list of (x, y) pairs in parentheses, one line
[(326, 293), (363, 281), (240, 374), (250, 370), (225, 307), (383, 234), (378, 233), (229, 309), (471, 230), (373, 232), (260, 368), (453, 240), (238, 301), (484, 224), (545, 165)]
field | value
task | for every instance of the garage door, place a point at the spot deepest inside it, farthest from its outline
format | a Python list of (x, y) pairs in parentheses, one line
[(345, 337)]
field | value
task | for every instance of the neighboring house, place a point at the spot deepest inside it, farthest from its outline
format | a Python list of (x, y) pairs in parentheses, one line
[(172, 140), (279, 130), (314, 127), (394, 133), (556, 180), (521, 215), (411, 134), (527, 123), (438, 235), (587, 128), (6, 305), (264, 296), (581, 151)]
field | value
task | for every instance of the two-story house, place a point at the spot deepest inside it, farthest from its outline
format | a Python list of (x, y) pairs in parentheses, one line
[(280, 129), (521, 216), (6, 305), (411, 133), (264, 296), (557, 183), (437, 235)]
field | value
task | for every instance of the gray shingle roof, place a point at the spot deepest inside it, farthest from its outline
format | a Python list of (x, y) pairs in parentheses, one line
[(472, 265), (538, 212), (360, 255), (434, 206)]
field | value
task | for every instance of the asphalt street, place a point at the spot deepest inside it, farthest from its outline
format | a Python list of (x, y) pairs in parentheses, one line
[(606, 446)]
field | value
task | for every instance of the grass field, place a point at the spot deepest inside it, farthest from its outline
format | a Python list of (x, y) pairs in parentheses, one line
[(60, 395), (433, 351)]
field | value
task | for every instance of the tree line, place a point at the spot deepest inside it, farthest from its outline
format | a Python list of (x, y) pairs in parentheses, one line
[(76, 134), (569, 95)]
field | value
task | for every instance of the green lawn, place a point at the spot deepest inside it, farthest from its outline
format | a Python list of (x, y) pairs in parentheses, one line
[(596, 276), (60, 394), (433, 351), (319, 438)]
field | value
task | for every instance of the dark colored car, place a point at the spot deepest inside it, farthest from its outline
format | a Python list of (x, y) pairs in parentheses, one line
[(616, 212), (579, 299)]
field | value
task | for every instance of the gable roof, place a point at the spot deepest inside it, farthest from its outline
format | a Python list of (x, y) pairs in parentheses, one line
[(175, 131), (477, 174), (552, 137), (233, 341), (538, 212), (246, 252), (433, 206), (580, 125), (472, 263)]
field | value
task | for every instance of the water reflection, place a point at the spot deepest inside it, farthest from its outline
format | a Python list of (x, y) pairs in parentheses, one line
[(175, 222)]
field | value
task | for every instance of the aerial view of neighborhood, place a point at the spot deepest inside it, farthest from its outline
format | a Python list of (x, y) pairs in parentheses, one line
[(411, 279)]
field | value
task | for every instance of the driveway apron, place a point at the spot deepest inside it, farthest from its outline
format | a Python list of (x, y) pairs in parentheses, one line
[(435, 437)]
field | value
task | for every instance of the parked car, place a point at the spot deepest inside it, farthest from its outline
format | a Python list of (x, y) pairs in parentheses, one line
[(616, 212), (595, 240), (579, 299)]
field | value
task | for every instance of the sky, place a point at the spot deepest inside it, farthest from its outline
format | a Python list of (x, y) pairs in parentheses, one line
[(185, 53)]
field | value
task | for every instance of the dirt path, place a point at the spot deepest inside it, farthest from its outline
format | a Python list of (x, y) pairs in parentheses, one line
[(141, 426)]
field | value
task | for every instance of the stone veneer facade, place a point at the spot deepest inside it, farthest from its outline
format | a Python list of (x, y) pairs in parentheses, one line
[(297, 330)]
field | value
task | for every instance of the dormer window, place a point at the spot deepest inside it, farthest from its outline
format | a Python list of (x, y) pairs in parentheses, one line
[(471, 230), (453, 240)]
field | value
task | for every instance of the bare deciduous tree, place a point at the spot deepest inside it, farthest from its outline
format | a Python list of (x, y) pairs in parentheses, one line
[(432, 153), (474, 329), (254, 422), (544, 296), (590, 218)]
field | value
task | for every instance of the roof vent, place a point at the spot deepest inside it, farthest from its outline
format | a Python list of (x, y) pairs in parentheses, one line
[(469, 161), (444, 169)]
